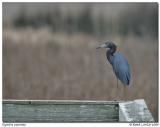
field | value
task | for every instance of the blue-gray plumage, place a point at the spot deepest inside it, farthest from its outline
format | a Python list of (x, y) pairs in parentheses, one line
[(119, 63), (121, 68)]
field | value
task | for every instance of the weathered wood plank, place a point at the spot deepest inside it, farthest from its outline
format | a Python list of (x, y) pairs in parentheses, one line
[(134, 111), (59, 102), (75, 111), (60, 111)]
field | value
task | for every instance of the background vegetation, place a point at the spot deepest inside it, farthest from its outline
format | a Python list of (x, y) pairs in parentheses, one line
[(49, 50)]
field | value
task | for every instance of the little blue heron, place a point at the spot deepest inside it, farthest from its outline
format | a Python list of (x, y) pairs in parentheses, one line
[(119, 63)]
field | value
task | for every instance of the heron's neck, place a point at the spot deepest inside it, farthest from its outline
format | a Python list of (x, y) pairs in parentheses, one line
[(112, 50), (110, 54)]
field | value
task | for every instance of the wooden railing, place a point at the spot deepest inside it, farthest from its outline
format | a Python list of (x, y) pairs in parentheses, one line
[(75, 111)]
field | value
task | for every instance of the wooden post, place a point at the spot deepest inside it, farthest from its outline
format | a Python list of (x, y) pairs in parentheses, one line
[(134, 111), (74, 111)]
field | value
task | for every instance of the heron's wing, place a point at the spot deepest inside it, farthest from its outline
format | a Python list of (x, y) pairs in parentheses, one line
[(121, 68)]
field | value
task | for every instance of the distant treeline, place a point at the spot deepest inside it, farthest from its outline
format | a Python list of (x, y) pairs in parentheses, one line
[(140, 21)]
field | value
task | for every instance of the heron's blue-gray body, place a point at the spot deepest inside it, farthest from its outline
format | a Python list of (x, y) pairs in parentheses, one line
[(120, 67)]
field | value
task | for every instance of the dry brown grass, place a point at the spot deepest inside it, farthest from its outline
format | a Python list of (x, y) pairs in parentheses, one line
[(38, 64)]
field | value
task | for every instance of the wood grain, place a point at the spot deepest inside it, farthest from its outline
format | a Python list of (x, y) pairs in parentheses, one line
[(75, 111), (60, 111), (134, 111)]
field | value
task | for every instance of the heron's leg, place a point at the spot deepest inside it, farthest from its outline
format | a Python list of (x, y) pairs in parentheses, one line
[(124, 90), (117, 87), (117, 83)]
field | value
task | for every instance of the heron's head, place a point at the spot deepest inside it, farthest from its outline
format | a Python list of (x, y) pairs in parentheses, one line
[(108, 44)]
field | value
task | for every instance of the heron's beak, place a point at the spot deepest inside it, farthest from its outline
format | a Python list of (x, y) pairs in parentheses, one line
[(101, 46)]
